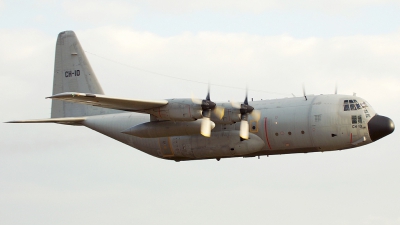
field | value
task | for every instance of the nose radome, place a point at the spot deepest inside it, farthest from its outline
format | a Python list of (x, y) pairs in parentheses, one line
[(379, 127)]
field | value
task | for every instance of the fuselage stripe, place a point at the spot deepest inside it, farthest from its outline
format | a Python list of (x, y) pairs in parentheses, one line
[(266, 132)]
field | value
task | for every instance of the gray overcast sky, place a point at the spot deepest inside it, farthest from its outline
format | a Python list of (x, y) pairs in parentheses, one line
[(54, 174)]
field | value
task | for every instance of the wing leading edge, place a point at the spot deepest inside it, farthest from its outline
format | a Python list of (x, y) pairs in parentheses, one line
[(125, 104)]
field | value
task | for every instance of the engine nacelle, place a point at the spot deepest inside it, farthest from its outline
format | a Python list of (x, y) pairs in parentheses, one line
[(186, 110), (231, 116), (177, 110)]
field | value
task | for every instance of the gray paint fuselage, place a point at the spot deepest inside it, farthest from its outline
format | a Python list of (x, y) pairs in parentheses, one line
[(289, 125)]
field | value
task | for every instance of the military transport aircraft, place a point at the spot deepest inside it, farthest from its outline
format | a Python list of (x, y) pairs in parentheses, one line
[(192, 129)]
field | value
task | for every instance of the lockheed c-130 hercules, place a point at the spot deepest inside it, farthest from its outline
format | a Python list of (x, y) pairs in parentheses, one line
[(193, 129)]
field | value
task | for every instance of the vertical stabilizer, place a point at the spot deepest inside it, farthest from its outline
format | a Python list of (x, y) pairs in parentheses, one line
[(73, 73)]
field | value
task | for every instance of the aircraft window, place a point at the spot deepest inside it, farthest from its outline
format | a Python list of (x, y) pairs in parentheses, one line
[(359, 119), (351, 105), (354, 119)]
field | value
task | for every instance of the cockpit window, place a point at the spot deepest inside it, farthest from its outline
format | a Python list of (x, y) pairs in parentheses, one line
[(351, 105), (354, 119)]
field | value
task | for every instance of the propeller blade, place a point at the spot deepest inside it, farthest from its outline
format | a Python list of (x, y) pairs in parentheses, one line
[(245, 100), (208, 93), (256, 114), (219, 111), (206, 126), (304, 92), (196, 100), (235, 105), (244, 129)]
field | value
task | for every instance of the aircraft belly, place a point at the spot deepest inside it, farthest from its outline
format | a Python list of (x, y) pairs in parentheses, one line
[(217, 145), (220, 145)]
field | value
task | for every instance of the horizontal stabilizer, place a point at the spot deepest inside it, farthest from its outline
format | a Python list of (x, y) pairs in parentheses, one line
[(103, 101), (65, 120)]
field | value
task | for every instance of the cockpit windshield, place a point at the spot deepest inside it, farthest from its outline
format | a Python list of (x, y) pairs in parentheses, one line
[(351, 105)]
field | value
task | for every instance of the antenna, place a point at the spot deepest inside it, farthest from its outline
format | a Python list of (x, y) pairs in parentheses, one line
[(336, 88)]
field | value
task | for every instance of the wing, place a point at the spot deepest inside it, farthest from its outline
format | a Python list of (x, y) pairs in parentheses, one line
[(64, 120), (125, 104)]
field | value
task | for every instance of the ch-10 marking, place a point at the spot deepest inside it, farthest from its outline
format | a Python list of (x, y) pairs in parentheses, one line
[(69, 73)]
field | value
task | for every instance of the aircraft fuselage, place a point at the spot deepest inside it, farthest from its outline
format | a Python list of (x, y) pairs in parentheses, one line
[(289, 125)]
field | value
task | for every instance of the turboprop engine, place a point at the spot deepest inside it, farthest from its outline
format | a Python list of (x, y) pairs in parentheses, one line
[(188, 110), (209, 111), (177, 110)]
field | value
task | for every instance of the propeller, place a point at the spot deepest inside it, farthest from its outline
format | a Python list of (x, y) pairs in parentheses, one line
[(304, 92), (245, 111), (208, 107)]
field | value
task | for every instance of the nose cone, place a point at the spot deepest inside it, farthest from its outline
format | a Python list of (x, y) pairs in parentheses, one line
[(379, 127)]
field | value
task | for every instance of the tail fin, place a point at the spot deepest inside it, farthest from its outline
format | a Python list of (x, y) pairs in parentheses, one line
[(73, 73)]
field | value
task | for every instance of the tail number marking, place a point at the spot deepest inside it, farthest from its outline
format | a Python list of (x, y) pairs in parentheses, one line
[(70, 73)]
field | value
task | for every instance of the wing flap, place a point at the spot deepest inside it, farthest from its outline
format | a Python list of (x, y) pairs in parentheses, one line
[(103, 101)]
